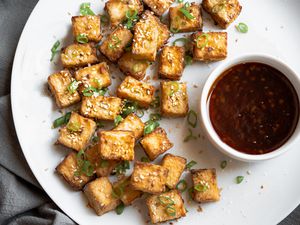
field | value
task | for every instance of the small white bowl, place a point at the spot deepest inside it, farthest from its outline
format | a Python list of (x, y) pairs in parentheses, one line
[(204, 108)]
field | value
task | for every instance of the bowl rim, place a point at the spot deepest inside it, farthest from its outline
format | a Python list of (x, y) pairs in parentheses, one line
[(205, 117)]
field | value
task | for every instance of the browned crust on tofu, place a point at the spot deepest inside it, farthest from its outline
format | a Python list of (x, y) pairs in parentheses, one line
[(214, 50), (158, 6), (208, 178), (156, 143)]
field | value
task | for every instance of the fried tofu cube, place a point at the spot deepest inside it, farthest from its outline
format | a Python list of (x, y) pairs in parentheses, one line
[(114, 45), (150, 178), (127, 193), (158, 6), (166, 206), (132, 123), (145, 39), (133, 67), (156, 143), (59, 84), (205, 185), (77, 55), (68, 169), (116, 9), (137, 91), (210, 46), (77, 133), (100, 197), (96, 76), (87, 25), (103, 167), (174, 99), (222, 12), (180, 23), (175, 165), (117, 145), (101, 107), (171, 62)]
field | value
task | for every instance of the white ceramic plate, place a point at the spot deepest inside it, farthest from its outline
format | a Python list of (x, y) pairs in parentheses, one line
[(270, 190)]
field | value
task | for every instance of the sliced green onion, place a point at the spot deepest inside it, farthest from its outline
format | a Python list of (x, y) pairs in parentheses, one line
[(72, 87), (73, 126), (173, 88), (171, 211), (139, 113), (150, 126), (118, 192), (187, 5), (87, 168), (104, 19), (128, 108), (201, 187), (218, 7), (198, 40), (82, 39), (156, 102), (155, 116), (191, 191), (80, 155), (184, 40), (86, 10), (191, 164), (131, 15), (84, 166), (165, 200), (223, 164), (120, 208), (180, 1), (188, 60), (174, 30), (181, 186), (104, 163), (90, 91), (117, 120), (62, 120), (190, 136), (54, 49), (192, 118), (239, 179), (95, 139), (145, 159), (99, 124), (122, 167), (186, 12), (242, 28)]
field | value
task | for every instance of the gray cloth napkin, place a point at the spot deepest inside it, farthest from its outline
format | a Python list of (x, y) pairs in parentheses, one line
[(22, 200)]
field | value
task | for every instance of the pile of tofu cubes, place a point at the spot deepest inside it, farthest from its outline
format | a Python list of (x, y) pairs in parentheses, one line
[(148, 40)]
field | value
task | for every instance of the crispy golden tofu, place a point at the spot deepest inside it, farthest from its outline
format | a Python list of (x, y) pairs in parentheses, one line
[(133, 67), (77, 55), (114, 45), (116, 9), (100, 197), (96, 76), (117, 145), (149, 178), (68, 169), (175, 165), (158, 6), (156, 143), (88, 26), (171, 62), (145, 39), (210, 46), (222, 12), (77, 133), (59, 84), (102, 167), (180, 23), (132, 123), (165, 206), (205, 185), (137, 91), (101, 107), (125, 192), (174, 99)]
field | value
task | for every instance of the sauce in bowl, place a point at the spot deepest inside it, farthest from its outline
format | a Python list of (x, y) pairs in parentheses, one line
[(253, 108)]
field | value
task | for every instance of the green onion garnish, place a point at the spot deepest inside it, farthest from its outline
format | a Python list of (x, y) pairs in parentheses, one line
[(165, 200), (116, 42), (188, 60), (155, 116), (82, 39), (91, 91), (54, 49), (95, 139), (72, 87), (131, 16), (129, 107), (104, 163), (145, 159), (184, 40), (192, 118), (191, 191), (150, 126), (180, 1), (239, 179), (173, 88), (120, 208), (86, 10), (74, 126), (199, 39), (84, 166), (87, 168), (191, 164), (156, 102), (185, 11), (201, 187), (242, 28), (99, 124), (171, 211), (118, 192), (181, 186), (62, 120), (117, 120), (223, 164), (122, 167), (190, 136)]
